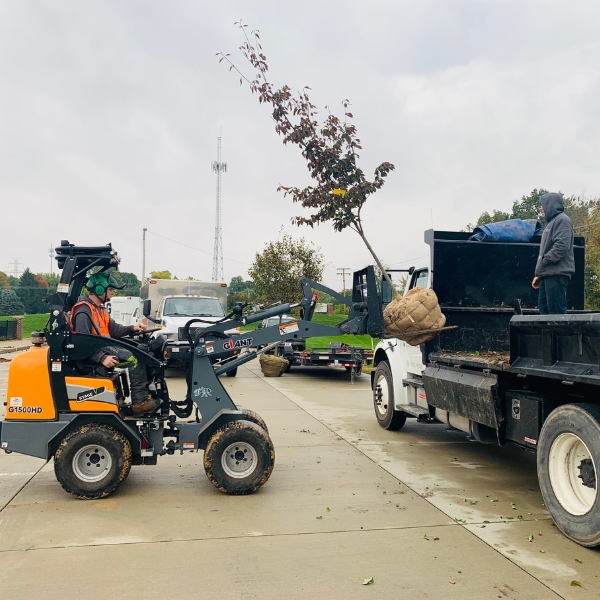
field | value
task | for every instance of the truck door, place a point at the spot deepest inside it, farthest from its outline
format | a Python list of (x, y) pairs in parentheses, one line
[(419, 278)]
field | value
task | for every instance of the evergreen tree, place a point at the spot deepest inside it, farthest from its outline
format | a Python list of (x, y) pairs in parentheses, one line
[(31, 292), (10, 304)]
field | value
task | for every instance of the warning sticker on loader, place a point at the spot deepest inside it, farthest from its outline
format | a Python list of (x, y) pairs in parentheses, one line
[(287, 328), (15, 401)]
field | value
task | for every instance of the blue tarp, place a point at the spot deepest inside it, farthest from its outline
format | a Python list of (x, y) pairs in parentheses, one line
[(513, 230)]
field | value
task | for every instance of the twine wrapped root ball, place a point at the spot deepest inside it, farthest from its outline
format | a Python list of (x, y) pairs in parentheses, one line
[(272, 366), (418, 311)]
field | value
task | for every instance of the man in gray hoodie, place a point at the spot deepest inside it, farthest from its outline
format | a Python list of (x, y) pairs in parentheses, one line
[(556, 262)]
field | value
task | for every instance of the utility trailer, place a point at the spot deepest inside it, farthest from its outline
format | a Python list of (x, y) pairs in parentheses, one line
[(505, 374), (337, 354)]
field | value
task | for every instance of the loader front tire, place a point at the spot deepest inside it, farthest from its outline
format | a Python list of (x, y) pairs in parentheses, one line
[(92, 461), (239, 458)]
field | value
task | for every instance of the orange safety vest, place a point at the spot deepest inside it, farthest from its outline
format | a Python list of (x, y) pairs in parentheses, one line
[(100, 318)]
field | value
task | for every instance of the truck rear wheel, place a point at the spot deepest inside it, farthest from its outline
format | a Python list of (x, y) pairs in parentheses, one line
[(568, 459), (239, 458), (92, 461), (383, 399)]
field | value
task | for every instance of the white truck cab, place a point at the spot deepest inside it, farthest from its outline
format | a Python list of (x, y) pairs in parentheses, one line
[(397, 380)]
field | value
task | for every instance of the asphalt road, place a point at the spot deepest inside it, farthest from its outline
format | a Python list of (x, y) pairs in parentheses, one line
[(423, 512)]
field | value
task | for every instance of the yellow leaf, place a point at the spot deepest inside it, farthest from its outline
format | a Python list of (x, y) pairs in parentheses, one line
[(339, 192)]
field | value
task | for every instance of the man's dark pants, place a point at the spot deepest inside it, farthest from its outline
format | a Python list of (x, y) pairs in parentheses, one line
[(552, 298)]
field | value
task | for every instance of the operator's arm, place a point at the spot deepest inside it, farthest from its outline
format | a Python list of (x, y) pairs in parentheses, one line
[(118, 331), (562, 232)]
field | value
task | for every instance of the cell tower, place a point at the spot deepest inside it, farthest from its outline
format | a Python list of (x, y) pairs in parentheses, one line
[(218, 167)]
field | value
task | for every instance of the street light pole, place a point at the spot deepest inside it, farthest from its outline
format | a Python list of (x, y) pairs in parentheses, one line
[(144, 254)]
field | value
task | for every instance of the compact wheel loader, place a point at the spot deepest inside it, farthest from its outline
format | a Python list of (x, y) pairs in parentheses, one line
[(55, 408)]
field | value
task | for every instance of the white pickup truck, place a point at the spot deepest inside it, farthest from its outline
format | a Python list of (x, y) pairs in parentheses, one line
[(171, 303)]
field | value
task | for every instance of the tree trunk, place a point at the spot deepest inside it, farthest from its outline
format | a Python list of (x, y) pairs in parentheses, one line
[(384, 272)]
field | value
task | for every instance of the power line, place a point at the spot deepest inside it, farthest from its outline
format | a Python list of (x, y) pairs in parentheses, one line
[(192, 247)]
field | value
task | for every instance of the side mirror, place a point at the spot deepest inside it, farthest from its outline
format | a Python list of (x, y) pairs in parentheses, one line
[(147, 307)]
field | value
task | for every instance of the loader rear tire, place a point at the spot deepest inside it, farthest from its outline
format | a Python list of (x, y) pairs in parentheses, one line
[(383, 399), (239, 458), (92, 461), (232, 372)]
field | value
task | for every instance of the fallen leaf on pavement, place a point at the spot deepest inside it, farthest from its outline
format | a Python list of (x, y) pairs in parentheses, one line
[(368, 581), (576, 583)]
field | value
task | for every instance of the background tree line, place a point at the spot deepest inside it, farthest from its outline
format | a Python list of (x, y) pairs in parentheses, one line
[(585, 214), (25, 294)]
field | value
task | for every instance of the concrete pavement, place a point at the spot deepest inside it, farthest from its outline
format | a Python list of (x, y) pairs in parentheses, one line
[(347, 501)]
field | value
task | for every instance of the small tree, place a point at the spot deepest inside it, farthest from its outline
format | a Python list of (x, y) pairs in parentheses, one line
[(132, 283), (277, 270), (4, 284), (51, 279), (330, 149), (10, 303), (161, 274)]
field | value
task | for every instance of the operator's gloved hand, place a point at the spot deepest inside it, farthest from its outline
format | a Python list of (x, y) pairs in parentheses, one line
[(130, 363)]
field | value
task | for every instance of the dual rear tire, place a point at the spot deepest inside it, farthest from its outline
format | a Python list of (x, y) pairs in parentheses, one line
[(568, 459)]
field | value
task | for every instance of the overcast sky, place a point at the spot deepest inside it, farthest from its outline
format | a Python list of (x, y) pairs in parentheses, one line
[(110, 113)]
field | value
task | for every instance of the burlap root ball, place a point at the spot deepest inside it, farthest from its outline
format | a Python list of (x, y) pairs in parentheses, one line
[(272, 366), (417, 311)]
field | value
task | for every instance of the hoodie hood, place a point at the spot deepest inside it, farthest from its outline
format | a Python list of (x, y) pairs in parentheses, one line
[(553, 204)]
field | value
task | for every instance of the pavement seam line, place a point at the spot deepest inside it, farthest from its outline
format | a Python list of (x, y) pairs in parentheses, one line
[(355, 446), (235, 537), (22, 488)]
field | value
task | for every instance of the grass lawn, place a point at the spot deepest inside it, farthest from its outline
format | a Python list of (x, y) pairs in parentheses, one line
[(323, 342), (31, 323)]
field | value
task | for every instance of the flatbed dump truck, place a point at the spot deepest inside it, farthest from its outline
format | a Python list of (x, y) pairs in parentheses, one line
[(505, 374)]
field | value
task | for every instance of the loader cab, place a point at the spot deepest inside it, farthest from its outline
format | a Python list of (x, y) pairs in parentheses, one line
[(74, 387)]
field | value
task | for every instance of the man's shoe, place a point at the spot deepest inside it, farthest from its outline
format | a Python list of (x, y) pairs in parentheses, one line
[(145, 406)]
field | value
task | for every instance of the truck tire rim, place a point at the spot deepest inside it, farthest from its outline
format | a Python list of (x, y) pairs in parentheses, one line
[(572, 474), (92, 463), (239, 460), (382, 395)]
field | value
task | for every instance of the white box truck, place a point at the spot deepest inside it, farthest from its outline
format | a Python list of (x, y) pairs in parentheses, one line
[(174, 302), (122, 308)]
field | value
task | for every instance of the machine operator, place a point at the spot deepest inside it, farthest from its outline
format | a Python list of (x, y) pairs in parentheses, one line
[(90, 316)]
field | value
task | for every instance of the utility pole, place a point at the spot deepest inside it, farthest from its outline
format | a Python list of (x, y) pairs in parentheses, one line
[(51, 255), (144, 255), (218, 167), (15, 267), (342, 271)]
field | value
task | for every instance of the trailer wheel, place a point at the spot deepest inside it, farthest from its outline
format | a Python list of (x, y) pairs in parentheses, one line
[(383, 399), (232, 373), (568, 460), (239, 458), (92, 461)]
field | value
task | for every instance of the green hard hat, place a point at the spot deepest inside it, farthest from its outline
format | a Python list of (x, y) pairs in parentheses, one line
[(98, 283)]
